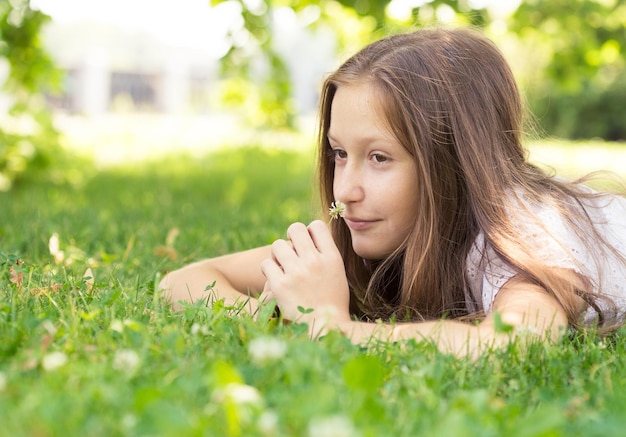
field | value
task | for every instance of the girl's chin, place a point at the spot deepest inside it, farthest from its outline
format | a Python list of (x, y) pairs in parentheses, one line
[(369, 253)]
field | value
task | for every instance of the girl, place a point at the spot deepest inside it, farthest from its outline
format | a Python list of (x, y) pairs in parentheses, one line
[(443, 220)]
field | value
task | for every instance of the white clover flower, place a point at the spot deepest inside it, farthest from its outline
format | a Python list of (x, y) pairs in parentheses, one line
[(53, 361), (332, 426), (126, 360), (3, 382), (240, 394), (263, 350), (197, 329), (337, 209)]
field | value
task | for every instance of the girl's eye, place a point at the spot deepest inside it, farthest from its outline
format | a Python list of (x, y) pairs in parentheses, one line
[(339, 153), (379, 158)]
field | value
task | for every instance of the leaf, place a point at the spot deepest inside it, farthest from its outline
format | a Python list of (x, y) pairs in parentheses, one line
[(305, 310), (90, 315), (225, 373), (364, 372), (266, 311), (501, 326)]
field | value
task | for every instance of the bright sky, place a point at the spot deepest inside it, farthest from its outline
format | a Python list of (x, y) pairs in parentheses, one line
[(194, 22), (178, 22)]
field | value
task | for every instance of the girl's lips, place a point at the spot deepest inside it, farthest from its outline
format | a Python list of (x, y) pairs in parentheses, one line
[(357, 224)]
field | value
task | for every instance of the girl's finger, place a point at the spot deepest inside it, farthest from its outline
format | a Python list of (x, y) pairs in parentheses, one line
[(271, 270), (284, 255), (300, 238), (321, 236)]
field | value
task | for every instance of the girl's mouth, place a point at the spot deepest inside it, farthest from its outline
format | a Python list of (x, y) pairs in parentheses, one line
[(358, 224)]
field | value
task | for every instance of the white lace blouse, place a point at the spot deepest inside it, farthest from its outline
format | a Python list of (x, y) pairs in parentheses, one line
[(555, 244)]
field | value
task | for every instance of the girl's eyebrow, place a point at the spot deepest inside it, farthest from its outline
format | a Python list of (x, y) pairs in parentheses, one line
[(364, 139)]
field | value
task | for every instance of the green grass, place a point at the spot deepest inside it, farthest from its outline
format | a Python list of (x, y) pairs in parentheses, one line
[(133, 367)]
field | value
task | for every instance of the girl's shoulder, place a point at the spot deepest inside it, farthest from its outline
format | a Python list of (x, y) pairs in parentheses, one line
[(569, 219), (567, 238)]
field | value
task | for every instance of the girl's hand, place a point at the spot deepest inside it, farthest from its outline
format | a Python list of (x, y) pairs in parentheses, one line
[(307, 277)]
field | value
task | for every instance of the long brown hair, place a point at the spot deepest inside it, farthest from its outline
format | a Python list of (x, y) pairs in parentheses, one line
[(451, 100)]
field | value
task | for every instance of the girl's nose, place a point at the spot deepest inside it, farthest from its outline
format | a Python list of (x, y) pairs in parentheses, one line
[(348, 184)]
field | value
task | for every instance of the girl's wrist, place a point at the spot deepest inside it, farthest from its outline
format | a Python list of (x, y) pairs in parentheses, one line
[(323, 320)]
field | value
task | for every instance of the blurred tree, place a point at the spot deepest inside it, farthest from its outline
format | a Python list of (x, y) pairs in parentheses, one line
[(579, 54), (575, 57), (253, 56), (28, 139)]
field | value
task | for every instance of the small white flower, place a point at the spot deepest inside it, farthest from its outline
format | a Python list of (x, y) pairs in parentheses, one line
[(126, 360), (117, 326), (332, 426), (268, 423), (337, 209), (197, 329), (266, 349), (49, 327), (54, 248), (53, 361), (3, 382), (240, 394)]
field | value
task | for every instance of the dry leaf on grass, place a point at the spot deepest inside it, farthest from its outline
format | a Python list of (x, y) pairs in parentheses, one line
[(172, 234), (15, 276), (89, 279), (53, 288), (166, 252)]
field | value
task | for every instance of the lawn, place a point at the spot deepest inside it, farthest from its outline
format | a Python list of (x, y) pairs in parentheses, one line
[(88, 348)]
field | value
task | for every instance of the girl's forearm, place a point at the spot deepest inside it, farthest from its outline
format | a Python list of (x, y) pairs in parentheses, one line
[(449, 336), (196, 282)]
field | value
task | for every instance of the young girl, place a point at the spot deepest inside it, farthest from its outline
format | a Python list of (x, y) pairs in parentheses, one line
[(442, 219)]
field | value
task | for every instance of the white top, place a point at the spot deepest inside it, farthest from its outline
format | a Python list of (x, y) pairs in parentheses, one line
[(555, 244)]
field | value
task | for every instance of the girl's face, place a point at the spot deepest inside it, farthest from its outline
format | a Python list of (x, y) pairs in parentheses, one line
[(375, 177)]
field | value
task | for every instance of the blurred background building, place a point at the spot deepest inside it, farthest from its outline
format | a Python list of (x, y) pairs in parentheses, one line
[(162, 57)]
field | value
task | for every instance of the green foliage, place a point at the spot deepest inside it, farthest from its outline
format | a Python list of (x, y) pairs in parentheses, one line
[(273, 105), (573, 50), (596, 111), (28, 140), (99, 353), (581, 90)]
